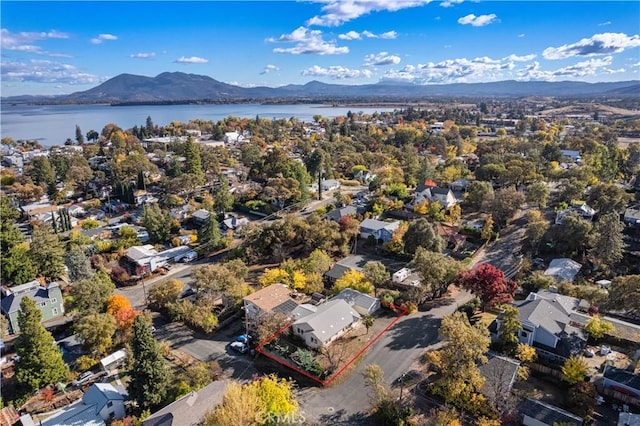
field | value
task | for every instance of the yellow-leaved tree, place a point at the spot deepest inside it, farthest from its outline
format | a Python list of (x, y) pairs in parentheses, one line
[(355, 280), (264, 401)]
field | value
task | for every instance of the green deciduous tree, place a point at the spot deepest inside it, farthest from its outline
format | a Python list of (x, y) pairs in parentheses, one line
[(149, 378), (510, 325), (608, 198), (41, 361), (504, 205), (47, 252), (624, 294), (165, 292), (537, 227), (478, 193), (421, 233), (538, 194), (96, 331), (376, 273), (90, 295), (436, 271)]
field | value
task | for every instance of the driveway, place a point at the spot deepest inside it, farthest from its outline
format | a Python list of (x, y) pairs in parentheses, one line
[(349, 402), (208, 348), (505, 253)]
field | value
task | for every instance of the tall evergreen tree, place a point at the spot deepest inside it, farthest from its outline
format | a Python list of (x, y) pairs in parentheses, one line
[(17, 266), (210, 233), (79, 135), (223, 198), (47, 252), (140, 183), (79, 265), (149, 379), (41, 361), (193, 161)]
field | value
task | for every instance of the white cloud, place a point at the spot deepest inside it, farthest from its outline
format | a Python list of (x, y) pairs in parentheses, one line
[(516, 58), (24, 41), (269, 68), (307, 42), (478, 21), (336, 72), (582, 69), (103, 37), (354, 35), (382, 58), (143, 55), (191, 60), (598, 44), (237, 83), (337, 12), (521, 35), (44, 71), (461, 70), (604, 24), (449, 3)]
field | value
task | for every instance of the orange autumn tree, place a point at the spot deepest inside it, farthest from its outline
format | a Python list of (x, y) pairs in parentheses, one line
[(120, 308)]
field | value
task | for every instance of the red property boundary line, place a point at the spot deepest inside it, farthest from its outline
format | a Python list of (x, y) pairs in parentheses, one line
[(260, 350)]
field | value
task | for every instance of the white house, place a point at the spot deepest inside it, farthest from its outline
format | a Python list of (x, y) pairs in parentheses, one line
[(444, 196), (329, 184), (329, 322), (113, 361)]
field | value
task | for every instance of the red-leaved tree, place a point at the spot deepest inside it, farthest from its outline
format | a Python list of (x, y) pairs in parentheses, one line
[(489, 284)]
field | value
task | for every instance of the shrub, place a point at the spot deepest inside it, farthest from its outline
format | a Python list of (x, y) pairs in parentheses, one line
[(85, 362), (410, 307), (90, 224)]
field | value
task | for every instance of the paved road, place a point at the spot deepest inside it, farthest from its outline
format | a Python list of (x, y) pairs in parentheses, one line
[(349, 402), (504, 254)]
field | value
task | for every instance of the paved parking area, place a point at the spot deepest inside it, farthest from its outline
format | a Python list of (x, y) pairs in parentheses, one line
[(209, 348)]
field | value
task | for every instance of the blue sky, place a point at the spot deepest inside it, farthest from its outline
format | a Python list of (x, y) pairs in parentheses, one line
[(61, 47)]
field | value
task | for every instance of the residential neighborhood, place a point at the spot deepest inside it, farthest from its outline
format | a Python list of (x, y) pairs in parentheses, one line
[(473, 262)]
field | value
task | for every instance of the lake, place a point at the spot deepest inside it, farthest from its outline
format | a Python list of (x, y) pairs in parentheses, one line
[(53, 124)]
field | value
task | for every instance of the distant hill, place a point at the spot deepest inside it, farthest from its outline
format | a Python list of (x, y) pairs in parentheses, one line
[(180, 87)]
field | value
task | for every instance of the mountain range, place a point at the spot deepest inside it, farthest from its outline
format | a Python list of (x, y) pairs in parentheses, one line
[(177, 87)]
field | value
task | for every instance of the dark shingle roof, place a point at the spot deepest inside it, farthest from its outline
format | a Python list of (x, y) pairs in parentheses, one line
[(548, 414), (623, 377)]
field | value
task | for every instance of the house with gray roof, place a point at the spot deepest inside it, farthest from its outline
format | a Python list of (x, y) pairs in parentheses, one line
[(191, 408), (500, 374), (378, 229), (200, 217), (101, 404), (537, 413), (344, 265), (431, 193), (48, 299), (362, 303), (329, 322), (337, 214), (548, 327)]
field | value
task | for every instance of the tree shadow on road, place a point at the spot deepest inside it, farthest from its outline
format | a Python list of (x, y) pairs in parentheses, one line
[(414, 332), (437, 303), (339, 417)]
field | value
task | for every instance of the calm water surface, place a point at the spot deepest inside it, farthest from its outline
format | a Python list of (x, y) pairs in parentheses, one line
[(53, 124)]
